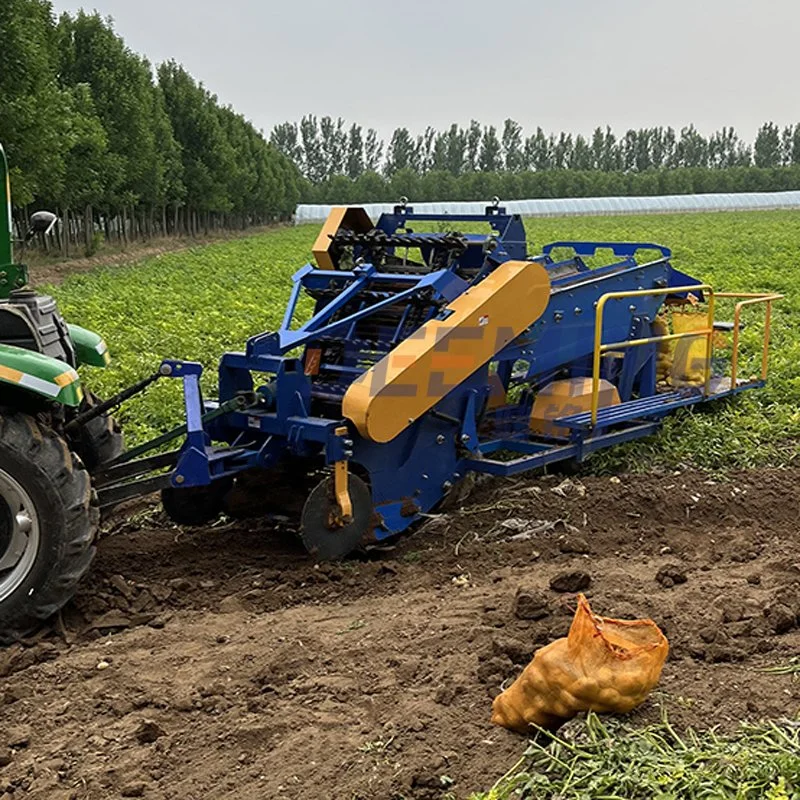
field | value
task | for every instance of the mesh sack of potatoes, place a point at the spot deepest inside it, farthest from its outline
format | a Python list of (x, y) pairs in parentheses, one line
[(604, 665), (664, 350), (689, 355)]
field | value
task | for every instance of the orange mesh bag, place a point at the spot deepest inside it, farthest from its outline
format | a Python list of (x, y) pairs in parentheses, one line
[(604, 665)]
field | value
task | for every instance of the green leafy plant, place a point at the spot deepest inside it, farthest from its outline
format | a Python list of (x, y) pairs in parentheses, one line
[(605, 759)]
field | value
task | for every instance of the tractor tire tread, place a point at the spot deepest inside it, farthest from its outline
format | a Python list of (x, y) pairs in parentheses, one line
[(76, 504), (101, 439)]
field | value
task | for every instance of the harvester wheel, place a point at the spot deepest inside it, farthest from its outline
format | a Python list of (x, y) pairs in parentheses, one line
[(48, 524), (195, 505), (324, 537), (259, 492), (99, 440)]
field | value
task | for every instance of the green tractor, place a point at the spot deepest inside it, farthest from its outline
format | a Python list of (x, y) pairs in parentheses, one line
[(48, 510)]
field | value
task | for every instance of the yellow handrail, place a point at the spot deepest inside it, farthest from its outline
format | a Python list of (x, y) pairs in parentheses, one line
[(600, 348), (749, 298), (753, 298)]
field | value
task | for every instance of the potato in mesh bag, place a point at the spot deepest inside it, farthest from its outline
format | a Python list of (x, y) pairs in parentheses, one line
[(603, 665)]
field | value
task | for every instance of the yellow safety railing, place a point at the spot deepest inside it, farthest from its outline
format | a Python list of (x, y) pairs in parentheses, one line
[(749, 299), (600, 348), (745, 298)]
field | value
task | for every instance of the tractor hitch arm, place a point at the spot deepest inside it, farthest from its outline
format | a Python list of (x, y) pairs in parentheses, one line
[(107, 405)]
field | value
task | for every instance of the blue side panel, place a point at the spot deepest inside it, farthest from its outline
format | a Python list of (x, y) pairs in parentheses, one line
[(410, 474), (565, 333)]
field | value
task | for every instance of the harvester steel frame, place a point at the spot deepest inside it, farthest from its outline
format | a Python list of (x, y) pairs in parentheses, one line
[(338, 394)]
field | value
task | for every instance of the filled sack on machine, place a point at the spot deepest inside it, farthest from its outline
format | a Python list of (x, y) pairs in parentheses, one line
[(689, 355), (664, 349), (681, 362), (604, 665)]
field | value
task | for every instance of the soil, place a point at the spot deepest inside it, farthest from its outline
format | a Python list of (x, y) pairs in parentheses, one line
[(223, 663)]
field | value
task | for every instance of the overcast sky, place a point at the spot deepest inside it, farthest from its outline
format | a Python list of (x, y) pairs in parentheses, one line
[(568, 65)]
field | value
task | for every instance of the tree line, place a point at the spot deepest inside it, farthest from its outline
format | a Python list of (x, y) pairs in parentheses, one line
[(121, 150), (344, 163)]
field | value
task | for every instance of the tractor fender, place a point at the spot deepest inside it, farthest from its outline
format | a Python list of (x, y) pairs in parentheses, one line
[(90, 347), (40, 374)]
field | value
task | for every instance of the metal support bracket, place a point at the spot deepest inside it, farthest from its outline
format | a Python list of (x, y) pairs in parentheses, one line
[(340, 485), (468, 435)]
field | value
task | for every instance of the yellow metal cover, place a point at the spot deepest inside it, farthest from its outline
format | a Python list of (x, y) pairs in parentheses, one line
[(564, 398), (340, 217), (421, 370)]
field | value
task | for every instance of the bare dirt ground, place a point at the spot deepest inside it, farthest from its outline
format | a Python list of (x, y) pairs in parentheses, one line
[(223, 664)]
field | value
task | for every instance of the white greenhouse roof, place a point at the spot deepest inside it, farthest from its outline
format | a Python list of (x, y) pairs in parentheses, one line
[(580, 206)]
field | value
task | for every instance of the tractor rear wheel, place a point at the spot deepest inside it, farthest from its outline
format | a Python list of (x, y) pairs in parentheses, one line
[(48, 524), (99, 440)]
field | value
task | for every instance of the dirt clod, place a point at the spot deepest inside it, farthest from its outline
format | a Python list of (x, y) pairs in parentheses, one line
[(518, 651), (578, 545), (738, 609), (493, 670), (133, 789), (449, 690), (577, 581), (781, 618), (671, 575), (148, 732), (122, 586), (13, 694), (724, 652), (18, 737), (181, 584), (530, 605)]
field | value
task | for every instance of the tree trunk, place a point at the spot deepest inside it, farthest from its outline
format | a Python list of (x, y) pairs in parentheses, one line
[(88, 230), (65, 232)]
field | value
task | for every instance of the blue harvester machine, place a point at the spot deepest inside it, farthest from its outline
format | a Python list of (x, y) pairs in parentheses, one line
[(429, 356)]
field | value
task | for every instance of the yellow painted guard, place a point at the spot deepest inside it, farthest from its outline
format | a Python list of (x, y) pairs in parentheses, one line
[(340, 217), (422, 369), (341, 480), (343, 500)]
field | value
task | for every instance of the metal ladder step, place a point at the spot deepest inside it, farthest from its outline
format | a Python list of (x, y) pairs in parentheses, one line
[(644, 407)]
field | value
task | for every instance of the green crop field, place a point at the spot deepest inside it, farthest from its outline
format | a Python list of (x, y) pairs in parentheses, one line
[(195, 304)]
